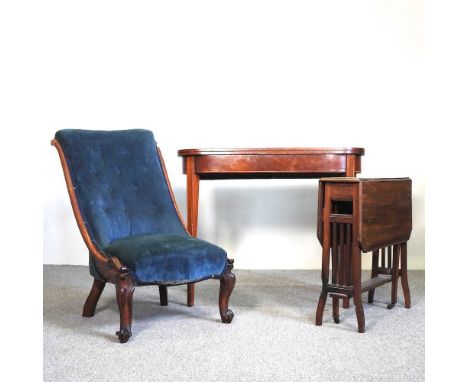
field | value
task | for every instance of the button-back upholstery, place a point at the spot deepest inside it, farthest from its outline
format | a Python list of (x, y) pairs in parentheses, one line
[(126, 206), (119, 184)]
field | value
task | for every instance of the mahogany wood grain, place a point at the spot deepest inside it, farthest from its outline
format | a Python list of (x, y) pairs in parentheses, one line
[(325, 255), (193, 180), (395, 265), (259, 163), (227, 282), (356, 261), (271, 164), (124, 295), (111, 270), (273, 151), (348, 224), (386, 213), (404, 276), (375, 263), (89, 307)]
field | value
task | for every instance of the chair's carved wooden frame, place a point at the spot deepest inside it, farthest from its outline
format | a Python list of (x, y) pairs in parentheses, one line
[(112, 271)]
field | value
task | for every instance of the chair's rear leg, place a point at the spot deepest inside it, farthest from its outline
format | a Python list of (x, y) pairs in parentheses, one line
[(227, 282), (124, 293), (89, 307), (163, 295), (191, 294)]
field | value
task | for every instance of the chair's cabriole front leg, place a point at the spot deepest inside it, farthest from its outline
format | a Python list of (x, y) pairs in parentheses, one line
[(227, 282), (89, 307), (124, 293)]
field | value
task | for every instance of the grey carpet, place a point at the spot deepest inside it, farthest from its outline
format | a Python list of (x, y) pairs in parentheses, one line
[(272, 336)]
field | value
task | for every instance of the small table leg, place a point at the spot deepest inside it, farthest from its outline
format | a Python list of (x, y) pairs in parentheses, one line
[(356, 259), (395, 275), (404, 276), (351, 172)]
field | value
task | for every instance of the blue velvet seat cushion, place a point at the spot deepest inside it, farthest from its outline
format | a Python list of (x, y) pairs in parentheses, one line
[(168, 259)]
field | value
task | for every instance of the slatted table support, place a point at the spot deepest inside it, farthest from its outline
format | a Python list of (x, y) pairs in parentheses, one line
[(356, 216)]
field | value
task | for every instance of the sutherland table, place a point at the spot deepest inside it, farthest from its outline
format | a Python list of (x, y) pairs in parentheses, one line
[(261, 163)]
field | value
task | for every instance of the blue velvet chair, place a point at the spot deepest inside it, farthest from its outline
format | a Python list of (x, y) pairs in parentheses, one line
[(126, 212)]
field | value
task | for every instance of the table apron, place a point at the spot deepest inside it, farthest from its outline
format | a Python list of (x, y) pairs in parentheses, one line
[(329, 163)]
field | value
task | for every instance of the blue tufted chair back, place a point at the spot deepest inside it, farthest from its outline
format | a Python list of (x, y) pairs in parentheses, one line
[(119, 184)]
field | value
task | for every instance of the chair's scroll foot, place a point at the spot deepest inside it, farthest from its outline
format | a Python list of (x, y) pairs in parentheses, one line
[(124, 293), (227, 282), (123, 334), (390, 306), (227, 317), (336, 320)]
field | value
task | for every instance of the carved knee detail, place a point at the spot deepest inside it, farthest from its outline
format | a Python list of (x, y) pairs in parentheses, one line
[(227, 282), (124, 293)]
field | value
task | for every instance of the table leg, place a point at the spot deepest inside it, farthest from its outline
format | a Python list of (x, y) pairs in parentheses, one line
[(374, 273), (193, 181), (356, 258), (325, 259), (395, 275), (351, 166), (404, 276), (351, 172)]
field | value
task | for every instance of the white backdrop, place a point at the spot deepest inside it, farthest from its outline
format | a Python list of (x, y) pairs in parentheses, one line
[(236, 74)]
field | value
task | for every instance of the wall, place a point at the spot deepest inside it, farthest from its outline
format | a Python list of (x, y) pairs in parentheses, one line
[(240, 74)]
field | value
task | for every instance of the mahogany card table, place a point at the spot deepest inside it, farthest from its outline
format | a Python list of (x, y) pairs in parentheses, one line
[(261, 163)]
